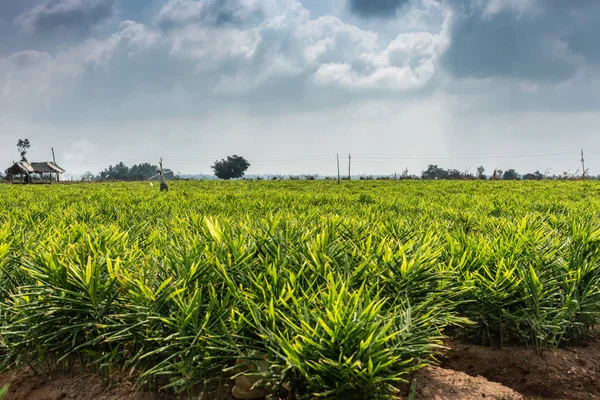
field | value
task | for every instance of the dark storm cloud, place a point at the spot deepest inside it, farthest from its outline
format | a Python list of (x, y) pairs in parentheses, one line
[(66, 15), (548, 42), (376, 8)]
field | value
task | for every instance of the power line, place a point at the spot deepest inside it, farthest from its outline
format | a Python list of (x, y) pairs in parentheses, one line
[(459, 157), (361, 158)]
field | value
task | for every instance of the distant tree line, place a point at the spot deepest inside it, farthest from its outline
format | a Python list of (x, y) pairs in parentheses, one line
[(435, 172), (233, 167), (137, 172)]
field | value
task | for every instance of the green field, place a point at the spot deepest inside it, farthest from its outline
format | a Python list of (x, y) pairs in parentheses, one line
[(347, 288)]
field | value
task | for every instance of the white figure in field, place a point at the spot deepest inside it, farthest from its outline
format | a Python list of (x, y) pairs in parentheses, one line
[(160, 176)]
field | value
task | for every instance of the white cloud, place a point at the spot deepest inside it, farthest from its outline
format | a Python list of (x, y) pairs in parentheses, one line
[(289, 44), (293, 45), (32, 78), (211, 47), (131, 37), (176, 13), (387, 77), (409, 48), (250, 55), (408, 62)]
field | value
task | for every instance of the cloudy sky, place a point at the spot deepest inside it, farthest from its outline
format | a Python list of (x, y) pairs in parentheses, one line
[(291, 83)]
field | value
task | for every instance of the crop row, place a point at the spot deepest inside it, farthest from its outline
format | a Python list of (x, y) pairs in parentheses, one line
[(346, 289)]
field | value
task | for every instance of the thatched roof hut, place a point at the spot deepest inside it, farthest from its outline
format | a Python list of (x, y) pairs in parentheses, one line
[(25, 168)]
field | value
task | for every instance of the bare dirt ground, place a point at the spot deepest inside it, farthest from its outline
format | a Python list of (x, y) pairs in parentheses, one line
[(571, 373), (435, 383), (432, 384), (467, 372), (24, 385)]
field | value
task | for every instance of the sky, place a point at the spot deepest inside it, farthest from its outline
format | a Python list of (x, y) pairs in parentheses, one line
[(289, 84)]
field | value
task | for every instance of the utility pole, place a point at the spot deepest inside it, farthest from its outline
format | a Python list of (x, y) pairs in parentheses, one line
[(338, 165), (54, 161), (349, 162), (582, 165)]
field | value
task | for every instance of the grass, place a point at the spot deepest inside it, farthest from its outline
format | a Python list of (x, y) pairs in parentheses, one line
[(347, 289)]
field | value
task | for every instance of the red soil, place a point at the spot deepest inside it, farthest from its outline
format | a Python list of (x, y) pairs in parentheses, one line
[(467, 373), (24, 386), (570, 373), (436, 383), (432, 384)]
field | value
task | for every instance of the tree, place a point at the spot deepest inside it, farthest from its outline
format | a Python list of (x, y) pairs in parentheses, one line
[(536, 176), (480, 172), (404, 174), (118, 172), (137, 172), (467, 174), (510, 174), (434, 172), (454, 174), (231, 168), (22, 146), (141, 172), (87, 176)]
